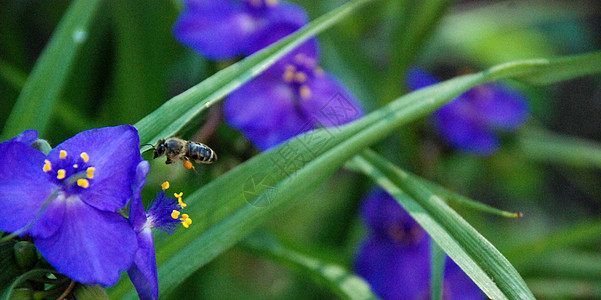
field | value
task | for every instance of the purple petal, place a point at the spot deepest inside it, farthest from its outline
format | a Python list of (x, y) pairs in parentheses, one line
[(287, 12), (23, 186), (395, 272), (26, 137), (115, 153), (216, 29), (137, 215), (498, 106), (143, 273), (463, 131), (330, 103), (457, 285), (274, 33), (381, 212), (91, 246), (418, 78), (264, 110)]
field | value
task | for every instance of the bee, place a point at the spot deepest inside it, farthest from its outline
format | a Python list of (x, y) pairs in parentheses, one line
[(176, 148)]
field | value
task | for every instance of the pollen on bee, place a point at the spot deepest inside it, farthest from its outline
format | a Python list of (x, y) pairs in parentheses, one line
[(165, 185), (84, 156), (63, 154), (90, 172), (47, 166), (84, 183), (188, 165), (60, 174)]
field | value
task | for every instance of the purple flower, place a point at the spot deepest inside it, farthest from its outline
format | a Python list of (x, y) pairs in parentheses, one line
[(471, 121), (227, 29), (163, 214), (395, 259), (67, 201), (26, 137), (288, 99)]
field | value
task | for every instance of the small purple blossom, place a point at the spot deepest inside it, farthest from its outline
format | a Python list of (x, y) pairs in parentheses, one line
[(26, 137), (395, 259), (287, 100), (227, 29), (471, 121), (67, 201), (162, 214)]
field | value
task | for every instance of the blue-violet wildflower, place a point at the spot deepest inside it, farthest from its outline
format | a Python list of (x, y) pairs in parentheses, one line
[(395, 259), (289, 99), (471, 121), (164, 214), (227, 29), (67, 201)]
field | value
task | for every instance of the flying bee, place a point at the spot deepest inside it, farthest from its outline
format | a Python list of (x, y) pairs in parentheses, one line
[(176, 148)]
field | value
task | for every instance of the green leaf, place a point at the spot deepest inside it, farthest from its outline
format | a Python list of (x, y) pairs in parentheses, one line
[(545, 146), (575, 235), (477, 257), (34, 106), (338, 279), (235, 204), (168, 119), (437, 263), (89, 292), (452, 197), (12, 292), (566, 288)]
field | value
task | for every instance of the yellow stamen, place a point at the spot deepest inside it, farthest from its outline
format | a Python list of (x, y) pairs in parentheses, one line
[(63, 154), (90, 172), (75, 166), (300, 77), (181, 203), (47, 166), (300, 58), (305, 92), (84, 156), (165, 185), (271, 2), (310, 62), (290, 68), (184, 217), (175, 214), (188, 165), (84, 183), (288, 76), (318, 71), (60, 174), (178, 196), (186, 223)]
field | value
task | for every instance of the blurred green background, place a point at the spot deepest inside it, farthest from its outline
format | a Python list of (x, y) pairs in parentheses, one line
[(131, 64)]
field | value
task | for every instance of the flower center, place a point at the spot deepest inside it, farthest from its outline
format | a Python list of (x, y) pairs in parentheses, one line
[(165, 212), (260, 4), (405, 234), (71, 172), (300, 72)]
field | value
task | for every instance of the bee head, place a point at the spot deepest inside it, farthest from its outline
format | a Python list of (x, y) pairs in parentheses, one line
[(159, 149)]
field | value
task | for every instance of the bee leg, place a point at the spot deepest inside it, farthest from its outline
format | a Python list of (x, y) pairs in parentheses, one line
[(168, 161)]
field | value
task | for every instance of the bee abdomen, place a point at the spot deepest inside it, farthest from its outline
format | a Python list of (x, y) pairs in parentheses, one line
[(201, 153)]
